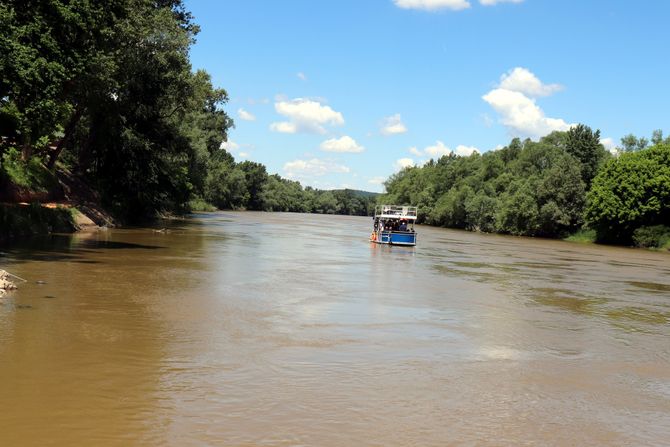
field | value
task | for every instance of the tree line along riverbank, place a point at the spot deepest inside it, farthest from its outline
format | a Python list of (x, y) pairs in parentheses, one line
[(106, 92), (566, 185), (103, 97)]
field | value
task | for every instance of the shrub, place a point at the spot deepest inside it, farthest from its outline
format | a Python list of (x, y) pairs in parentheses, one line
[(21, 220), (29, 174), (199, 204), (655, 236), (585, 235)]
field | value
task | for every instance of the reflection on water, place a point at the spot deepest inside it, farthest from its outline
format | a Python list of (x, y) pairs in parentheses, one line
[(245, 329)]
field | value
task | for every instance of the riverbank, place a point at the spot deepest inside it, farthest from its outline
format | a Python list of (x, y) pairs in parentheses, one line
[(60, 202), (656, 238), (21, 220)]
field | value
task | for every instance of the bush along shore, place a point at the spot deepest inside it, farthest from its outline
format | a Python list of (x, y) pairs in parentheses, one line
[(29, 220)]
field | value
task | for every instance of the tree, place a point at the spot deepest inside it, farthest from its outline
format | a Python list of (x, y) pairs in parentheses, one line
[(450, 209), (326, 203), (226, 187), (255, 176), (630, 191), (584, 144), (481, 212), (631, 143), (657, 137), (58, 57), (561, 197), (518, 213)]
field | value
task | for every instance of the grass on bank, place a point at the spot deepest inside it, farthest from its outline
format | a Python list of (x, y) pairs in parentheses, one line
[(32, 174), (656, 237), (198, 204), (583, 236)]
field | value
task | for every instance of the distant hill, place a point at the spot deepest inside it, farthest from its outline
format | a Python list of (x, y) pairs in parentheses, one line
[(359, 193)]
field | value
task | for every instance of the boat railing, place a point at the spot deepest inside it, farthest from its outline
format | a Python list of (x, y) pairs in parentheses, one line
[(396, 212)]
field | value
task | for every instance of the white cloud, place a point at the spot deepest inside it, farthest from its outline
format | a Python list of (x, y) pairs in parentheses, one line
[(238, 150), (495, 2), (414, 151), (283, 127), (403, 163), (312, 168), (393, 125), (305, 115), (377, 180), (522, 80), (344, 144), (229, 145), (465, 151), (301, 76), (514, 100), (437, 150), (246, 116), (432, 5), (609, 144), (521, 115)]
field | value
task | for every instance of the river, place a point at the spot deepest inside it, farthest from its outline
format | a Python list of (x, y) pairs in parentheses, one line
[(255, 329)]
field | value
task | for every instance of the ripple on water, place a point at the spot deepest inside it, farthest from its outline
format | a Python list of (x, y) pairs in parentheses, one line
[(652, 286), (639, 314), (272, 329), (567, 300)]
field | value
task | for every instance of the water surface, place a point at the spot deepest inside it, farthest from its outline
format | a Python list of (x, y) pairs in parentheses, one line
[(253, 329)]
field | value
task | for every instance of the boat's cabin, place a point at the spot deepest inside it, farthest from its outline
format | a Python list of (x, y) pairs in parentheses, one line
[(395, 218), (395, 212)]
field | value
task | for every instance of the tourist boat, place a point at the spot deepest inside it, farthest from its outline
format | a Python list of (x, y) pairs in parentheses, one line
[(394, 225)]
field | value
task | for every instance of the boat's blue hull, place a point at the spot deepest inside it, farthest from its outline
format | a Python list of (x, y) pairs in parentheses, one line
[(394, 238)]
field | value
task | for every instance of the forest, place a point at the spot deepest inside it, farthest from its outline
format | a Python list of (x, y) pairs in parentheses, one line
[(564, 184), (104, 91)]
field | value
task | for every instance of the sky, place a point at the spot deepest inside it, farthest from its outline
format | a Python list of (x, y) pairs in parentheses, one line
[(344, 93)]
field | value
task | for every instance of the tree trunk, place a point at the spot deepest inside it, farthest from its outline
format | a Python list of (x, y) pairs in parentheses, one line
[(26, 149), (69, 129)]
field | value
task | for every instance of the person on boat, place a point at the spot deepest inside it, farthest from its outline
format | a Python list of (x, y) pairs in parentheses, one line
[(403, 225)]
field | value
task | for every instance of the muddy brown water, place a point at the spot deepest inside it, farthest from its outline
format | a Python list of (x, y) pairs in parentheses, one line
[(252, 329)]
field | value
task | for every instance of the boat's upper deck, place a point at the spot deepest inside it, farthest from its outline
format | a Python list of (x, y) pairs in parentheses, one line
[(395, 212)]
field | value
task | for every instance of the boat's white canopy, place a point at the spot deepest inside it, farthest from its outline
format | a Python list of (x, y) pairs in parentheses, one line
[(395, 212)]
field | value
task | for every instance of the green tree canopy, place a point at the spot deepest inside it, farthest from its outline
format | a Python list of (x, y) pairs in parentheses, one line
[(630, 191), (584, 144)]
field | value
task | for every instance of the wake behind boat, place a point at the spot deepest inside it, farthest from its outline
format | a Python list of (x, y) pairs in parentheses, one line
[(394, 225)]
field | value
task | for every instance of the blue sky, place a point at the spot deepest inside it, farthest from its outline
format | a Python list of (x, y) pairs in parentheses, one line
[(342, 93)]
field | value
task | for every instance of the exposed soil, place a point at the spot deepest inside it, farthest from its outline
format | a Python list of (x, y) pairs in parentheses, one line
[(76, 193), (71, 191)]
